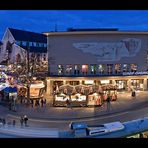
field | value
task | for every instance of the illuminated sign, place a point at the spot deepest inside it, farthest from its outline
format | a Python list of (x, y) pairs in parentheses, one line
[(89, 81), (136, 73)]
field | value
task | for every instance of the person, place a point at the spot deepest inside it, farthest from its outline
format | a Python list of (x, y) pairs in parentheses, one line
[(25, 119), (45, 101), (67, 103), (42, 102), (108, 103), (133, 94), (21, 121)]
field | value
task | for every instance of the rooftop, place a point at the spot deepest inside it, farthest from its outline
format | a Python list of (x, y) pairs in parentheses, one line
[(22, 35), (92, 29)]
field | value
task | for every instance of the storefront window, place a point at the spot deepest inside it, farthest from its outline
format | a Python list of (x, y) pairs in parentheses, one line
[(93, 69), (133, 67), (68, 69), (84, 69), (60, 69), (125, 68), (117, 68), (137, 84), (109, 68), (121, 85), (76, 69), (101, 68)]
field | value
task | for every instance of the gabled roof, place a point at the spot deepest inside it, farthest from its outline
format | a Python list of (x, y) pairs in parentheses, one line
[(22, 35)]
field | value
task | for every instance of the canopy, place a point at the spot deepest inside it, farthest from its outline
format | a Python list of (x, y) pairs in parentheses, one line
[(10, 89)]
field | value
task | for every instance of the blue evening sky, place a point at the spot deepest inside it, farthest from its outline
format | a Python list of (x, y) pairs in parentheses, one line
[(45, 20)]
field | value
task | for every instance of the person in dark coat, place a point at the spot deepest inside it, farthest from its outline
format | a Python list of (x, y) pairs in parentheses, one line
[(25, 119), (42, 102)]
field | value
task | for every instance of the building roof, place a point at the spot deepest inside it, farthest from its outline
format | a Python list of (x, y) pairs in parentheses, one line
[(22, 35), (96, 32), (92, 29), (36, 49)]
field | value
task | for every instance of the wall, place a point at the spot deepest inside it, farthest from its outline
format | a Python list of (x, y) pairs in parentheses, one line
[(81, 49)]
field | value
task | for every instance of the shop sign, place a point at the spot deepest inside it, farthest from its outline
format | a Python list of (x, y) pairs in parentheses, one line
[(135, 73)]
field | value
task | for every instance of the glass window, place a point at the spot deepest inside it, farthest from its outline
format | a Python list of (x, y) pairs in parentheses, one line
[(24, 43), (117, 68), (125, 68), (34, 44), (133, 67), (84, 69), (30, 43), (76, 69), (60, 69), (45, 45), (68, 69), (101, 68), (18, 43), (93, 69), (109, 68), (37, 44)]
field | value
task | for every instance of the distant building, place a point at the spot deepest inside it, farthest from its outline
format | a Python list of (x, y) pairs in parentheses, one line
[(15, 47)]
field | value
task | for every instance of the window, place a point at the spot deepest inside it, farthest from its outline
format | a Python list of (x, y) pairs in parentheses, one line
[(45, 45), (84, 69), (30, 43), (41, 44), (24, 43), (34, 44), (109, 68), (93, 69), (117, 68), (133, 67), (125, 68), (18, 43), (37, 44), (60, 69), (68, 69), (76, 69), (101, 68)]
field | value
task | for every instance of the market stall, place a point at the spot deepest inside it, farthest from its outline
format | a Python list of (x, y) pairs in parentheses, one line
[(74, 94)]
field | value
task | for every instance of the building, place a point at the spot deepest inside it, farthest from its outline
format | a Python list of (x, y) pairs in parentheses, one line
[(16, 45), (116, 60)]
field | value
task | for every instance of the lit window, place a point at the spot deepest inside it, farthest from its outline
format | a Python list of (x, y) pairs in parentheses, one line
[(109, 68), (45, 45), (84, 69), (101, 68), (18, 43), (76, 69), (60, 69), (30, 43), (133, 67), (37, 44), (117, 68), (93, 69), (68, 69), (24, 43), (125, 68)]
